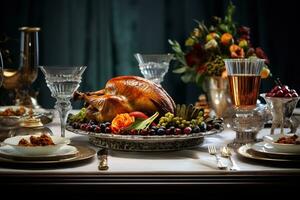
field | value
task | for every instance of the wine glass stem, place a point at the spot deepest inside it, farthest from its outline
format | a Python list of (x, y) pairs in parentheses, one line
[(63, 108)]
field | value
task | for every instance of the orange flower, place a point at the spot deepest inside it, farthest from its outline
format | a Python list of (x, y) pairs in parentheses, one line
[(121, 121), (236, 51), (226, 39)]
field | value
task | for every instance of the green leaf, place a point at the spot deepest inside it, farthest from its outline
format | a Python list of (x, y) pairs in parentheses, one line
[(224, 28), (171, 42), (143, 124), (188, 77), (79, 117), (180, 70), (199, 79)]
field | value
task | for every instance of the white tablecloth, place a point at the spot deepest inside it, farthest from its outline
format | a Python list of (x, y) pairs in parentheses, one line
[(187, 161)]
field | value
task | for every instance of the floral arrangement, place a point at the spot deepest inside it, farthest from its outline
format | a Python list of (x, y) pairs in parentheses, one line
[(206, 48)]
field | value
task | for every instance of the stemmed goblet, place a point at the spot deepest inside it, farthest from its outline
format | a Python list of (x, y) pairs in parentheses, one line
[(63, 82), (154, 66), (245, 116)]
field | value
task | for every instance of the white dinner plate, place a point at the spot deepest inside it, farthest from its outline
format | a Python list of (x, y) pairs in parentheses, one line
[(66, 151), (83, 153), (268, 148), (246, 151)]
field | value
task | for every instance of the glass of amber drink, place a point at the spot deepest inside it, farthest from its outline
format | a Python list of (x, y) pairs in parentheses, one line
[(246, 117), (244, 81)]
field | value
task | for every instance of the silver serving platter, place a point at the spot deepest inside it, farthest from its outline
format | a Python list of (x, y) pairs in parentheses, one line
[(145, 143)]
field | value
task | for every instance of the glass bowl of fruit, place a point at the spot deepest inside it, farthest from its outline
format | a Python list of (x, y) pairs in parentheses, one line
[(281, 102)]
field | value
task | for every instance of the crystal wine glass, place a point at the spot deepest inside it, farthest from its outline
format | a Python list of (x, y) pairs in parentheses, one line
[(154, 66), (63, 82)]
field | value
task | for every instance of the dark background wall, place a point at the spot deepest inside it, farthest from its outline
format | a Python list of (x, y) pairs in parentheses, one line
[(104, 35)]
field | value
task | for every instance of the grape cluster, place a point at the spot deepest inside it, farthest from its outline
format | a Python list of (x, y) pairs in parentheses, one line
[(92, 126), (282, 91), (170, 120)]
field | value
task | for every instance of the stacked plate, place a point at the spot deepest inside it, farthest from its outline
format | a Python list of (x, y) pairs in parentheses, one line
[(59, 152), (270, 150)]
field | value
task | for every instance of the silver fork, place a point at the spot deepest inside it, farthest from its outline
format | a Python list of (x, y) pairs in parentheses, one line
[(226, 152), (213, 151)]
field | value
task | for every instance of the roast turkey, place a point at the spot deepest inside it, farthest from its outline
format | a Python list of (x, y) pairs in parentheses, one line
[(125, 94)]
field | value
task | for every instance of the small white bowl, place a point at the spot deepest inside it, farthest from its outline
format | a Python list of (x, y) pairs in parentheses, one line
[(36, 150), (285, 148)]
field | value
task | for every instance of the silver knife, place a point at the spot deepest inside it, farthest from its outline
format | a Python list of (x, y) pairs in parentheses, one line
[(102, 156)]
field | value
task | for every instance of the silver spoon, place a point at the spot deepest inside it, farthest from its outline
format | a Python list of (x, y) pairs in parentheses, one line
[(226, 152)]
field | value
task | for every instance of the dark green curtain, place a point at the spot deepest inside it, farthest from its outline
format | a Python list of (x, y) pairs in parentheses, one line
[(104, 35)]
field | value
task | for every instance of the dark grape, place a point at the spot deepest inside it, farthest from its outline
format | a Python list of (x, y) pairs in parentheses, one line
[(275, 89), (292, 91), (108, 130), (107, 124), (144, 132), (196, 129), (102, 127), (203, 127), (187, 130), (152, 131), (168, 131), (161, 131), (133, 132), (172, 130), (89, 128), (76, 125), (92, 122), (209, 127), (177, 131), (279, 93), (83, 126), (288, 95), (97, 129), (217, 125), (154, 128), (94, 126)]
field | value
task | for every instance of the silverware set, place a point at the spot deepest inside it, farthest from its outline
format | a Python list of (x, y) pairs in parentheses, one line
[(212, 150), (226, 153)]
